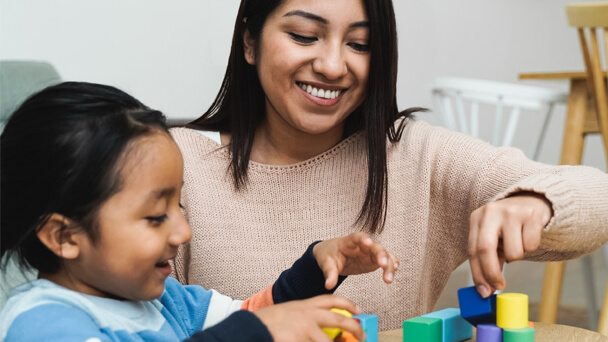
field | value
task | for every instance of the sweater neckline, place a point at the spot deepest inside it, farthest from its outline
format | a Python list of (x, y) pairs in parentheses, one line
[(288, 167)]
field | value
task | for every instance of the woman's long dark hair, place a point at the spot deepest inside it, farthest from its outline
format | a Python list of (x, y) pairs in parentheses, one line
[(239, 106), (58, 154)]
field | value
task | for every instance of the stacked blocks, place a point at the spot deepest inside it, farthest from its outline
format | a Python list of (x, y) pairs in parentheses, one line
[(499, 318), (476, 309), (369, 323), (454, 328)]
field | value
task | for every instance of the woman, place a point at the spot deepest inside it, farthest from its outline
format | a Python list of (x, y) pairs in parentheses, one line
[(311, 145)]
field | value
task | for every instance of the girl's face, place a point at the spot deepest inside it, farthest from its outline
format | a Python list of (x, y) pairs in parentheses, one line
[(140, 227), (313, 63)]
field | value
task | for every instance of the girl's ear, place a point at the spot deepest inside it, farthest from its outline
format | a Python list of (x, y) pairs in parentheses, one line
[(249, 47), (56, 235)]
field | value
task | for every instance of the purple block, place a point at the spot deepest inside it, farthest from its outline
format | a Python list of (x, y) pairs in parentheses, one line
[(488, 333), (476, 309)]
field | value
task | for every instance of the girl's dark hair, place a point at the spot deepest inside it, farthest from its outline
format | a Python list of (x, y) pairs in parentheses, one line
[(59, 154), (239, 106)]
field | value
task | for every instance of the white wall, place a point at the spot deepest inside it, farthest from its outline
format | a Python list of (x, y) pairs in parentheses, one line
[(172, 54)]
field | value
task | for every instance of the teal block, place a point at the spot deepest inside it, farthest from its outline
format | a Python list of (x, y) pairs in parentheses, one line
[(518, 335), (422, 329), (455, 328), (369, 323)]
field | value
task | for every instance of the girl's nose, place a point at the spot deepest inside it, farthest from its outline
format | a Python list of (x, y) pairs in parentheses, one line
[(180, 231), (330, 63)]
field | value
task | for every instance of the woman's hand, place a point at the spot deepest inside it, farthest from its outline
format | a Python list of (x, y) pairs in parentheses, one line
[(302, 320), (503, 231), (353, 254)]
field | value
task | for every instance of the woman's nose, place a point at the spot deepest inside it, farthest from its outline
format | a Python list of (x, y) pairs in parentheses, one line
[(330, 62)]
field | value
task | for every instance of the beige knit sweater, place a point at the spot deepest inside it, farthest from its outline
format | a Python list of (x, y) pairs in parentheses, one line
[(242, 241)]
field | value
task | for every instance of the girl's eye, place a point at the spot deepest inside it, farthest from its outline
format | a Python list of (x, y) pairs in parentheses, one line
[(157, 220), (359, 47), (302, 39)]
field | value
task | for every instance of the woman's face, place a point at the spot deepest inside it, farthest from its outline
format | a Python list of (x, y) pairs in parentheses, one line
[(313, 63)]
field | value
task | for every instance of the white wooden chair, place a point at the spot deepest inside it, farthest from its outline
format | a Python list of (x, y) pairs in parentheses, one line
[(458, 101)]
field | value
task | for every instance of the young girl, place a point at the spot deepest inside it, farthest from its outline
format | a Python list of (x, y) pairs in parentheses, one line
[(90, 188)]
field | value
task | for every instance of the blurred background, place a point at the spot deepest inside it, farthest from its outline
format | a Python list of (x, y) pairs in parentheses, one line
[(172, 55)]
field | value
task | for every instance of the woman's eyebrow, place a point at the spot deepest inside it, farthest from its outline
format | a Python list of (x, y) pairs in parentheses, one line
[(307, 15), (322, 20)]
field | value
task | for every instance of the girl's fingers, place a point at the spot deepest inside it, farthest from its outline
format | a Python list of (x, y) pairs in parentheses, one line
[(330, 319), (330, 271)]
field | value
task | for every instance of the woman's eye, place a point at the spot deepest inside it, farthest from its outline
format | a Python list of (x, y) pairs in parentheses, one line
[(302, 39), (157, 220), (359, 47)]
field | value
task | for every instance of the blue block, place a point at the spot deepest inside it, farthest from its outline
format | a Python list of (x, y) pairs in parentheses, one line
[(369, 323), (489, 333), (455, 328), (476, 309)]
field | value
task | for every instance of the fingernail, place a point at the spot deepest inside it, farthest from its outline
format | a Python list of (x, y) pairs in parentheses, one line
[(357, 308), (383, 261), (497, 286), (364, 336), (368, 240), (390, 277), (483, 290)]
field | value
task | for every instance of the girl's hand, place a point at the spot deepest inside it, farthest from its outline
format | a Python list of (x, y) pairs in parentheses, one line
[(353, 254), (503, 231), (302, 320)]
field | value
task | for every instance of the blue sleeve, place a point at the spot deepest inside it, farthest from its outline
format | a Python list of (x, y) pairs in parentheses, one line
[(303, 280), (53, 322), (240, 326), (186, 306)]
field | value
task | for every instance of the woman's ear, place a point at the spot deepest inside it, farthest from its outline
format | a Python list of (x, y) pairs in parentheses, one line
[(249, 47), (58, 237)]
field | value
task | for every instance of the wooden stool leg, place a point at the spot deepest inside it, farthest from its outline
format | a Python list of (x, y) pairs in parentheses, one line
[(572, 154), (602, 327)]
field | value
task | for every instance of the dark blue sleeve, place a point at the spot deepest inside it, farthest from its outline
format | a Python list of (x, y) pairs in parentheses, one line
[(240, 326), (303, 280)]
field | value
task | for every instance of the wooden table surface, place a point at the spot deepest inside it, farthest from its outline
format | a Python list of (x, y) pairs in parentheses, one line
[(553, 75), (543, 333)]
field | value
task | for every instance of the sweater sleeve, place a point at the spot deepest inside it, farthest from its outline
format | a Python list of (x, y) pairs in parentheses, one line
[(303, 280), (467, 173)]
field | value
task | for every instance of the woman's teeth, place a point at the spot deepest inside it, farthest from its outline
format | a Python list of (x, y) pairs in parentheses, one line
[(322, 93)]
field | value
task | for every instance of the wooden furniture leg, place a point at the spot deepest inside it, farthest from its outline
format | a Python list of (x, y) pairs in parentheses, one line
[(602, 327), (572, 154)]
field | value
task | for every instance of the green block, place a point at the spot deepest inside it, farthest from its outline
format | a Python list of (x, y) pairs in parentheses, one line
[(422, 329), (518, 335)]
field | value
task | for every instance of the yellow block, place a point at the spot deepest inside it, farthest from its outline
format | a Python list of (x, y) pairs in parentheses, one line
[(512, 310), (334, 332)]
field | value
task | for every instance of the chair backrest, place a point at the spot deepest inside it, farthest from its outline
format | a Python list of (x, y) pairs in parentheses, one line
[(20, 79), (458, 102), (593, 18)]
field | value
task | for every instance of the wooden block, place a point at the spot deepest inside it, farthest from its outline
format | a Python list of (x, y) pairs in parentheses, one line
[(518, 335), (422, 329), (455, 328), (489, 333), (512, 310), (369, 323), (476, 309)]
